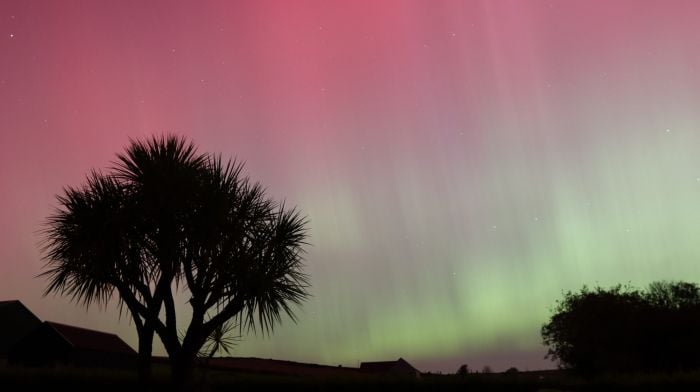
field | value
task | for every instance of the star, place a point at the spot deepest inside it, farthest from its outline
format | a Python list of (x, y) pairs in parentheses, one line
[(12, 35)]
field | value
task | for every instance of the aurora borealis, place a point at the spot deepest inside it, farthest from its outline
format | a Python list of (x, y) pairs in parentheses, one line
[(461, 162)]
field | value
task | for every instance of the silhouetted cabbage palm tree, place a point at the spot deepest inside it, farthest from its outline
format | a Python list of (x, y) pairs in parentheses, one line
[(167, 217)]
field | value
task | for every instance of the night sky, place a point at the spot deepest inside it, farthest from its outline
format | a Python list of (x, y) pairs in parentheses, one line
[(461, 162)]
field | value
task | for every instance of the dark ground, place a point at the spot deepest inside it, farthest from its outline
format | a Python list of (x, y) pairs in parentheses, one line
[(103, 380)]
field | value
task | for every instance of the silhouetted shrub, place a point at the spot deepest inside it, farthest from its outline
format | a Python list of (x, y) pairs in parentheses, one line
[(463, 370), (625, 329)]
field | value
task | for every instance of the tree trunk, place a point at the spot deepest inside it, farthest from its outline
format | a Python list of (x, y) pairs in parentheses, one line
[(182, 368), (144, 358)]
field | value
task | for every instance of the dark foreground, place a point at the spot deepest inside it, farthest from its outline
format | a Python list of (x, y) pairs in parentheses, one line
[(103, 380)]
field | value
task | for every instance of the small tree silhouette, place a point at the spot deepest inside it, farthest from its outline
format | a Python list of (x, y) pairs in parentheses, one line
[(463, 370), (167, 216)]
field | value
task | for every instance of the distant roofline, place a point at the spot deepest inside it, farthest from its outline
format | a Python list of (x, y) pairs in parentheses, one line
[(52, 326), (52, 323), (11, 301), (56, 327), (388, 363), (379, 362), (285, 361), (157, 358)]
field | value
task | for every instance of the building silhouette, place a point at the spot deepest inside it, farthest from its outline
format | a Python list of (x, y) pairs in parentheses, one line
[(16, 321), (400, 367), (26, 341)]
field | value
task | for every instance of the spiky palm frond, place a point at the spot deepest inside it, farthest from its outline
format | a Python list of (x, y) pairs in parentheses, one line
[(86, 241), (220, 340), (158, 156), (277, 279), (249, 248), (163, 174)]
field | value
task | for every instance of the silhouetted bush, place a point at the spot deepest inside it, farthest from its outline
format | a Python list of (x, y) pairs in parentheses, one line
[(625, 329), (463, 370)]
